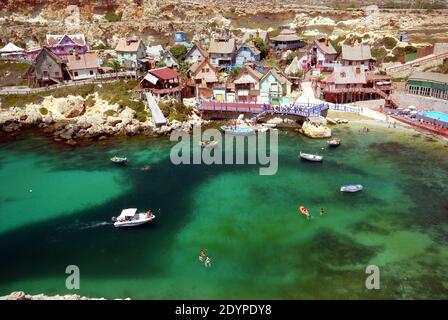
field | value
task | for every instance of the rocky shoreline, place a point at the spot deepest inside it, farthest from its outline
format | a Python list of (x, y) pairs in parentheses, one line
[(20, 295), (69, 120)]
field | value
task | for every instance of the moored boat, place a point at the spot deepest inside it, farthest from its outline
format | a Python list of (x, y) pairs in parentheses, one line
[(131, 218), (304, 211), (311, 157), (334, 142), (238, 131), (352, 188), (119, 160)]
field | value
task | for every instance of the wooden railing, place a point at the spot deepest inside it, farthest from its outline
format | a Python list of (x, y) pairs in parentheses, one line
[(72, 83)]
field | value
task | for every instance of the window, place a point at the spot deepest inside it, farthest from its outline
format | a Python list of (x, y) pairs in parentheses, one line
[(56, 73), (76, 73), (91, 72), (45, 73)]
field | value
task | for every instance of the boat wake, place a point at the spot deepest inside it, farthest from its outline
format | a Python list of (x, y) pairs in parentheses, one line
[(84, 226)]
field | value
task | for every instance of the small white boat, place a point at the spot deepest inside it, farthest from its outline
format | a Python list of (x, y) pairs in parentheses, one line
[(238, 131), (334, 142), (131, 218), (352, 188), (311, 157), (119, 160)]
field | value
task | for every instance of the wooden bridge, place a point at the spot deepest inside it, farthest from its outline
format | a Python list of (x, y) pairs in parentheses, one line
[(301, 109)]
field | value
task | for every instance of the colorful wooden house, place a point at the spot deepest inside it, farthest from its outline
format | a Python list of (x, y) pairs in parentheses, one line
[(66, 44), (246, 53), (247, 85), (358, 55), (430, 84), (287, 40), (222, 51), (83, 66), (321, 55), (203, 76), (353, 83), (129, 51), (48, 68), (162, 82), (196, 53), (273, 86)]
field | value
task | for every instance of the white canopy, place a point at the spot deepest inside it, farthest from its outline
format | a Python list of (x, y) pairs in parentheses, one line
[(128, 212), (149, 77), (294, 66), (10, 47)]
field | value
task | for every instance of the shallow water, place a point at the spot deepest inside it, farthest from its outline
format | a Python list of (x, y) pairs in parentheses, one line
[(261, 247)]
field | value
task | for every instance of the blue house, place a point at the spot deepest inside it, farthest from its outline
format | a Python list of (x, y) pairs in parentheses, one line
[(246, 53)]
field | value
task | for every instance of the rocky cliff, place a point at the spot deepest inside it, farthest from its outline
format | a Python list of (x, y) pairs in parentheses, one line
[(26, 22)]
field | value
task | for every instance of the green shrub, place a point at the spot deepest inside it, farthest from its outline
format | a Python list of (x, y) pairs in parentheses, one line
[(390, 42), (113, 17), (179, 52), (90, 102), (110, 113), (43, 111), (141, 116), (101, 47)]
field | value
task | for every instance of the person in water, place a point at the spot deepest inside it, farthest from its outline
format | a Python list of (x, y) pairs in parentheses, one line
[(322, 211), (202, 255)]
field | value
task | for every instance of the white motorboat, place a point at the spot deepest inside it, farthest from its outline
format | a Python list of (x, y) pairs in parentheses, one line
[(352, 188), (311, 157), (238, 131), (131, 218)]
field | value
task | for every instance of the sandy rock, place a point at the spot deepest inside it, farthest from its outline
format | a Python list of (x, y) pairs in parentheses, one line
[(316, 131), (127, 115), (69, 107)]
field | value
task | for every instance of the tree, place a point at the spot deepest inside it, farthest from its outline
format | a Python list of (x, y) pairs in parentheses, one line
[(115, 65), (183, 68), (179, 52), (235, 72), (264, 50)]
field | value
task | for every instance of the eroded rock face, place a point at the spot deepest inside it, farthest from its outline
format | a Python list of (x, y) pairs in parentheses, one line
[(316, 131)]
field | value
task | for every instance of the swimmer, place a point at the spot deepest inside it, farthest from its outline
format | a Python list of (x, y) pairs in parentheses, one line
[(322, 211)]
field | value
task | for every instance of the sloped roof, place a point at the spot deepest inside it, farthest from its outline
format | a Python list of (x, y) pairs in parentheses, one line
[(430, 76), (198, 65), (349, 75), (278, 76), (48, 51), (251, 47), (356, 53), (254, 74), (164, 73), (125, 45), (222, 46), (89, 60), (287, 35), (200, 49), (11, 47), (55, 39), (325, 46)]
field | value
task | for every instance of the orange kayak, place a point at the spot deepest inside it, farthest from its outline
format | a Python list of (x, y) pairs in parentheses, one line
[(304, 211)]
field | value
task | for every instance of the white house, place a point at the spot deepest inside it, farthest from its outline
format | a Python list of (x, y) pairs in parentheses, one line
[(83, 66), (195, 54)]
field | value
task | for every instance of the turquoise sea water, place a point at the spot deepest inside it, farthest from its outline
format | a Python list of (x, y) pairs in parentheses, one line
[(261, 247)]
